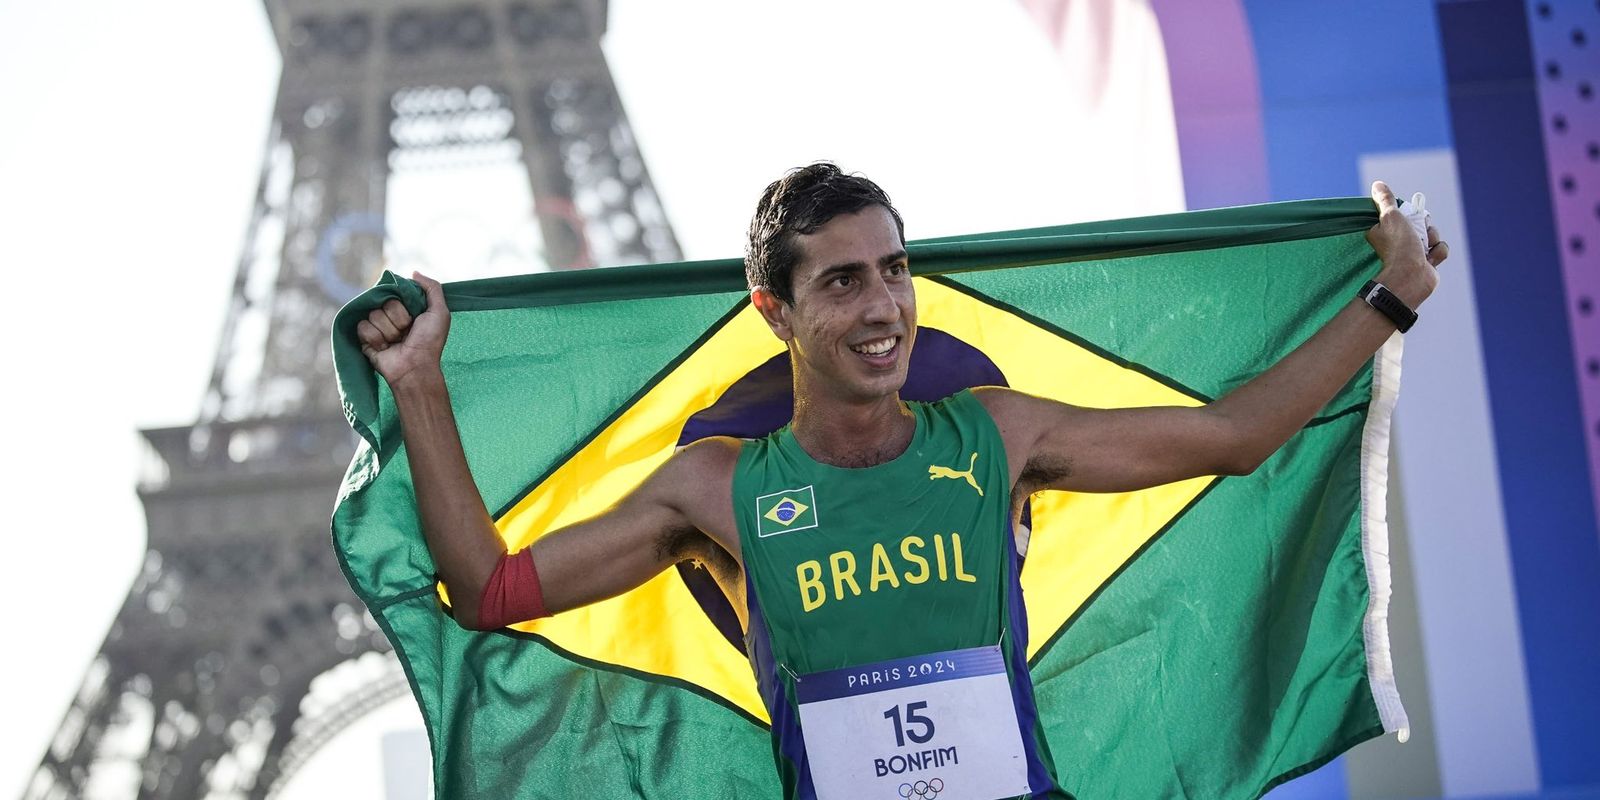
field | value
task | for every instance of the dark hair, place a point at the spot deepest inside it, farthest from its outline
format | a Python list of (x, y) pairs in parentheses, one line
[(800, 202)]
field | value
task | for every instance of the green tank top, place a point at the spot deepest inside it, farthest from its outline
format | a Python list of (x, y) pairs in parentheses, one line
[(846, 567)]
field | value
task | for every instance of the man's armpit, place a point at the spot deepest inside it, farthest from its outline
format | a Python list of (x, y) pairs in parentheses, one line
[(679, 543), (1042, 472), (686, 543), (689, 543)]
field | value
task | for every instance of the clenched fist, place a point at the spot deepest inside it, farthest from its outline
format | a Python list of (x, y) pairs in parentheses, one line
[(401, 347), (1408, 270)]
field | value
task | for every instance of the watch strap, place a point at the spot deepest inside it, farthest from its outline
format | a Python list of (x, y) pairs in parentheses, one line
[(1378, 296)]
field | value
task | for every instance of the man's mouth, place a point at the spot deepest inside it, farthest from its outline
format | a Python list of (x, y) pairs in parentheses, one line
[(878, 352)]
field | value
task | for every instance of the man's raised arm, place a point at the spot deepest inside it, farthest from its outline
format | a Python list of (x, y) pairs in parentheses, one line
[(1057, 446), (656, 525)]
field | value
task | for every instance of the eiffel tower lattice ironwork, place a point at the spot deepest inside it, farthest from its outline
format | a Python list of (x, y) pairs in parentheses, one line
[(204, 684)]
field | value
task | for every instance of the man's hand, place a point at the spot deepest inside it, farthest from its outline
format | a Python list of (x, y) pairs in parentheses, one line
[(1408, 271), (400, 347)]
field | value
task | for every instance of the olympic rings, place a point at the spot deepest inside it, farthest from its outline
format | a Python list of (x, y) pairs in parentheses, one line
[(922, 790)]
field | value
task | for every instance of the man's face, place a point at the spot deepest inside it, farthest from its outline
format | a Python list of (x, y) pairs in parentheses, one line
[(855, 313)]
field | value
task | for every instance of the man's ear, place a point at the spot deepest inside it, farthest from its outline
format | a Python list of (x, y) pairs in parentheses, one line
[(774, 311)]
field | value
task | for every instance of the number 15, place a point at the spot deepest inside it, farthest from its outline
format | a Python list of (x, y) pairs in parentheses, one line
[(912, 718)]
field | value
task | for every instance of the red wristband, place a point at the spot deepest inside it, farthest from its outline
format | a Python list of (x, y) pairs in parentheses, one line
[(512, 594)]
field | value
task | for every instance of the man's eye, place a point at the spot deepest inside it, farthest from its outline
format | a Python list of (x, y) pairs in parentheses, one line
[(899, 269), (842, 280)]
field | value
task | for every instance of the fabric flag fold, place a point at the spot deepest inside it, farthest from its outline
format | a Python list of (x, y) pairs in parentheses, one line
[(1207, 638)]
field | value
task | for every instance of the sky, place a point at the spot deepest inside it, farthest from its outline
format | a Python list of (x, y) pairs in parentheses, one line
[(134, 134)]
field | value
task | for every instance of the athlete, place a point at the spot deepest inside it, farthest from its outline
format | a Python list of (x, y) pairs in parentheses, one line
[(833, 536)]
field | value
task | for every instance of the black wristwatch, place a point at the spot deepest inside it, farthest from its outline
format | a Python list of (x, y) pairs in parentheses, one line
[(1378, 296)]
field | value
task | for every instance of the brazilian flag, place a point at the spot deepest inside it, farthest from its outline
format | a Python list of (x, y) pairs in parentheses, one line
[(1208, 638)]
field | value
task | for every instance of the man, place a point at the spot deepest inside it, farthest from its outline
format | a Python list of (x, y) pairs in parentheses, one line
[(866, 544)]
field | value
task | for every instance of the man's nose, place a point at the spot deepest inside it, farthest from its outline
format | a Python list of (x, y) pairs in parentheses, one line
[(883, 307)]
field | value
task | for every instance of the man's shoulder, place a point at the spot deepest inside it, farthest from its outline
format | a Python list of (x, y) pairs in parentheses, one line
[(1009, 407), (998, 403), (1017, 416), (706, 462), (698, 482), (996, 399)]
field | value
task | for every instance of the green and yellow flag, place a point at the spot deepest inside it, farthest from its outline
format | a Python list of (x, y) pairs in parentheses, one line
[(1209, 638)]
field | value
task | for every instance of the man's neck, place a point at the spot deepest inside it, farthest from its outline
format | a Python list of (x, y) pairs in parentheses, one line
[(852, 434)]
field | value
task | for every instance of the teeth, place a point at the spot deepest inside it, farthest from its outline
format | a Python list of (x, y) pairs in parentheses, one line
[(877, 348)]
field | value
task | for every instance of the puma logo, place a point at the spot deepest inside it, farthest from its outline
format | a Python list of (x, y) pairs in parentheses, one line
[(935, 472)]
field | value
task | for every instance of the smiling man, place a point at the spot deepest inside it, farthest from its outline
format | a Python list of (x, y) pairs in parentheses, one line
[(866, 545)]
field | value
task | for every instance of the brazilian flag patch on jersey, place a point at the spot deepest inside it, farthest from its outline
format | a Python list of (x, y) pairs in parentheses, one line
[(785, 511)]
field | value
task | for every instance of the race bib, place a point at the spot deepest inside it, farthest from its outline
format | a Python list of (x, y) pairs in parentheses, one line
[(935, 726)]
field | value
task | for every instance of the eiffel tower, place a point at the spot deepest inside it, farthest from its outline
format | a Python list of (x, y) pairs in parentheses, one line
[(207, 683)]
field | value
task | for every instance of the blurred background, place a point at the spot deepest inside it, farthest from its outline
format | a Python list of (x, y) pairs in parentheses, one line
[(190, 188)]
